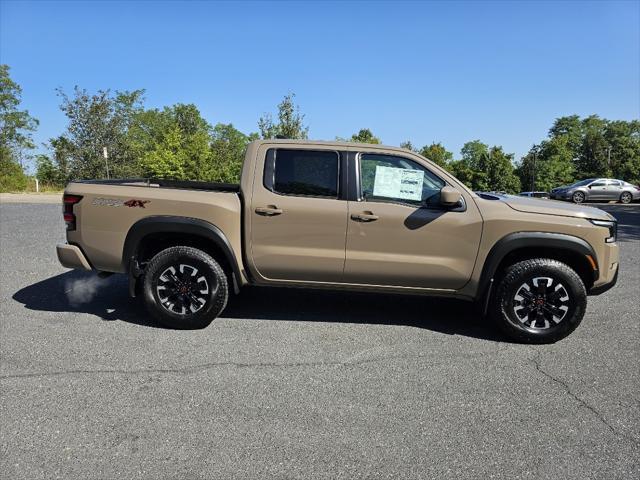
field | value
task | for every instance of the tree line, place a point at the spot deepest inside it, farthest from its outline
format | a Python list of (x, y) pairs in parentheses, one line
[(177, 142)]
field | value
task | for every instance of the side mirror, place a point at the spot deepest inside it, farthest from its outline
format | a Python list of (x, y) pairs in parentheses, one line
[(449, 196)]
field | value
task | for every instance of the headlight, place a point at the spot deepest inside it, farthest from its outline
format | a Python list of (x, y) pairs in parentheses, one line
[(611, 225)]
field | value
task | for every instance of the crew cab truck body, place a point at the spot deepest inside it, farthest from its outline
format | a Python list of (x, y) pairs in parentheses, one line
[(348, 216)]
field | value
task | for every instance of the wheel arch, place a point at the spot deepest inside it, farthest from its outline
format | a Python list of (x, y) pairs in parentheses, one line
[(150, 235), (519, 246)]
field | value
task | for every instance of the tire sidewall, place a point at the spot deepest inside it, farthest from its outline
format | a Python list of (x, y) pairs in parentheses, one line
[(215, 301), (626, 195), (512, 281), (577, 195)]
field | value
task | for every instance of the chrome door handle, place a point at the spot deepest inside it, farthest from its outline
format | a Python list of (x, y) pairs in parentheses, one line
[(364, 217), (269, 211)]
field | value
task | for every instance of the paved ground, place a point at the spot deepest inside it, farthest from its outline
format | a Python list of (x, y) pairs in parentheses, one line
[(296, 384), (31, 198)]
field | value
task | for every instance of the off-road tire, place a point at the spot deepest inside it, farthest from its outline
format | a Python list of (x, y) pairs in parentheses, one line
[(209, 277), (626, 197), (578, 197), (507, 312)]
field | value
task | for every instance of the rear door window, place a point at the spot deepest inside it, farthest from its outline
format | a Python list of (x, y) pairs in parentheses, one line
[(312, 173)]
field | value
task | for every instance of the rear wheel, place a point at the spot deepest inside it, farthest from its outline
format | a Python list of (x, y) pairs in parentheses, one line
[(578, 197), (539, 301), (626, 197), (185, 288)]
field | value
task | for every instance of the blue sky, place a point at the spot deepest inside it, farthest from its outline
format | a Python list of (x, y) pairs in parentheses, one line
[(424, 71)]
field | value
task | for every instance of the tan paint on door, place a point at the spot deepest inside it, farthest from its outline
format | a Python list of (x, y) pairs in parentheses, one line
[(411, 247), (303, 241)]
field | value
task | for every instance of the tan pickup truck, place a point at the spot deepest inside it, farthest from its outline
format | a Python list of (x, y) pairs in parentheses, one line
[(343, 216)]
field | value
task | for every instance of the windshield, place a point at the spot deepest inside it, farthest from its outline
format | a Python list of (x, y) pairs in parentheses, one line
[(582, 182)]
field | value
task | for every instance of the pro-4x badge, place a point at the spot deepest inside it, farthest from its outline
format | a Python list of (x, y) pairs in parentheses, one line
[(136, 203)]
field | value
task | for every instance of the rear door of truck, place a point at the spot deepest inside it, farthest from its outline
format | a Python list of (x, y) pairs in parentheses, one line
[(298, 221)]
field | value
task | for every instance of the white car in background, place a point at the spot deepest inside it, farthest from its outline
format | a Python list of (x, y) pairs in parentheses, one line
[(534, 194)]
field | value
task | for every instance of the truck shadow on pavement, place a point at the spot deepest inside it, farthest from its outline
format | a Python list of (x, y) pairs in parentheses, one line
[(84, 292)]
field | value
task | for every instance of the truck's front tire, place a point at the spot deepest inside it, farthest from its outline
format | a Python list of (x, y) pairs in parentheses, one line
[(185, 288), (539, 301)]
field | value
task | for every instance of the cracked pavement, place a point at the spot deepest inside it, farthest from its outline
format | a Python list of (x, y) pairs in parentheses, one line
[(302, 384)]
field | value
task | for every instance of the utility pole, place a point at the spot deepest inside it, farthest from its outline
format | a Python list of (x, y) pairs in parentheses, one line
[(105, 154)]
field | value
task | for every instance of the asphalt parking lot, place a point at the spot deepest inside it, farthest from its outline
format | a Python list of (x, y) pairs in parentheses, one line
[(301, 384)]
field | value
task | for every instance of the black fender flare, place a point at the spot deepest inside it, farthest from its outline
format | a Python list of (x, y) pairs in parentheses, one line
[(518, 240), (175, 224)]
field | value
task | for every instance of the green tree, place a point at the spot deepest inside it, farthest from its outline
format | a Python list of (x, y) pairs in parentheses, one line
[(15, 133), (499, 171), (290, 121), (547, 165), (227, 152), (173, 143), (48, 172), (407, 145), (470, 168), (95, 122), (600, 147), (437, 154), (364, 135), (623, 151), (167, 159), (12, 177), (572, 130), (485, 169), (593, 158)]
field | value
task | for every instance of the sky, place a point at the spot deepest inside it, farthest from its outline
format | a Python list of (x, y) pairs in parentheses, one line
[(448, 72)]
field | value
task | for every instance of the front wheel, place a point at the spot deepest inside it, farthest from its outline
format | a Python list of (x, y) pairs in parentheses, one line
[(578, 197), (539, 301), (185, 288)]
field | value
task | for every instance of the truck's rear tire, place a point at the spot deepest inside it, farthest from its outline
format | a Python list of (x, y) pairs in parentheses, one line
[(184, 288), (539, 301)]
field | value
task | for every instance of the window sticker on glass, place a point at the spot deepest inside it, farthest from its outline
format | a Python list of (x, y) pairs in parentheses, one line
[(398, 183)]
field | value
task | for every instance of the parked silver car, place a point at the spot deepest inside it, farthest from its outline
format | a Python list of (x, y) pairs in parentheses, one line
[(597, 189)]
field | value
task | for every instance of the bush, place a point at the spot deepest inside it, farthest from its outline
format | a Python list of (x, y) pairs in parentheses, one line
[(12, 178)]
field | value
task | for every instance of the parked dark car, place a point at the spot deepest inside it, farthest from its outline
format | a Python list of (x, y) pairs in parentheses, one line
[(594, 189)]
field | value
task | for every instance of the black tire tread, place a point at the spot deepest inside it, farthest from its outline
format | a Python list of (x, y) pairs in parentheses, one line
[(514, 273), (198, 320)]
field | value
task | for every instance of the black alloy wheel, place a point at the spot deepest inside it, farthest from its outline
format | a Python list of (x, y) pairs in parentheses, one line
[(185, 288), (539, 300)]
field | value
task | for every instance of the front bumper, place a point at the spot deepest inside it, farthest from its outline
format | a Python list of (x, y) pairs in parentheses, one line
[(609, 265), (559, 195), (607, 286), (71, 256)]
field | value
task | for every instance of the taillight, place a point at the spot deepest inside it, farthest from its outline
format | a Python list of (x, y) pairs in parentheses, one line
[(68, 201)]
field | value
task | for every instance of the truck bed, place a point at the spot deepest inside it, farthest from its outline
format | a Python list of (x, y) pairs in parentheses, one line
[(108, 209)]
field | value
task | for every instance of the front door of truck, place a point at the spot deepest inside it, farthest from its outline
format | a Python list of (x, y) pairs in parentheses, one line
[(298, 223), (398, 234)]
